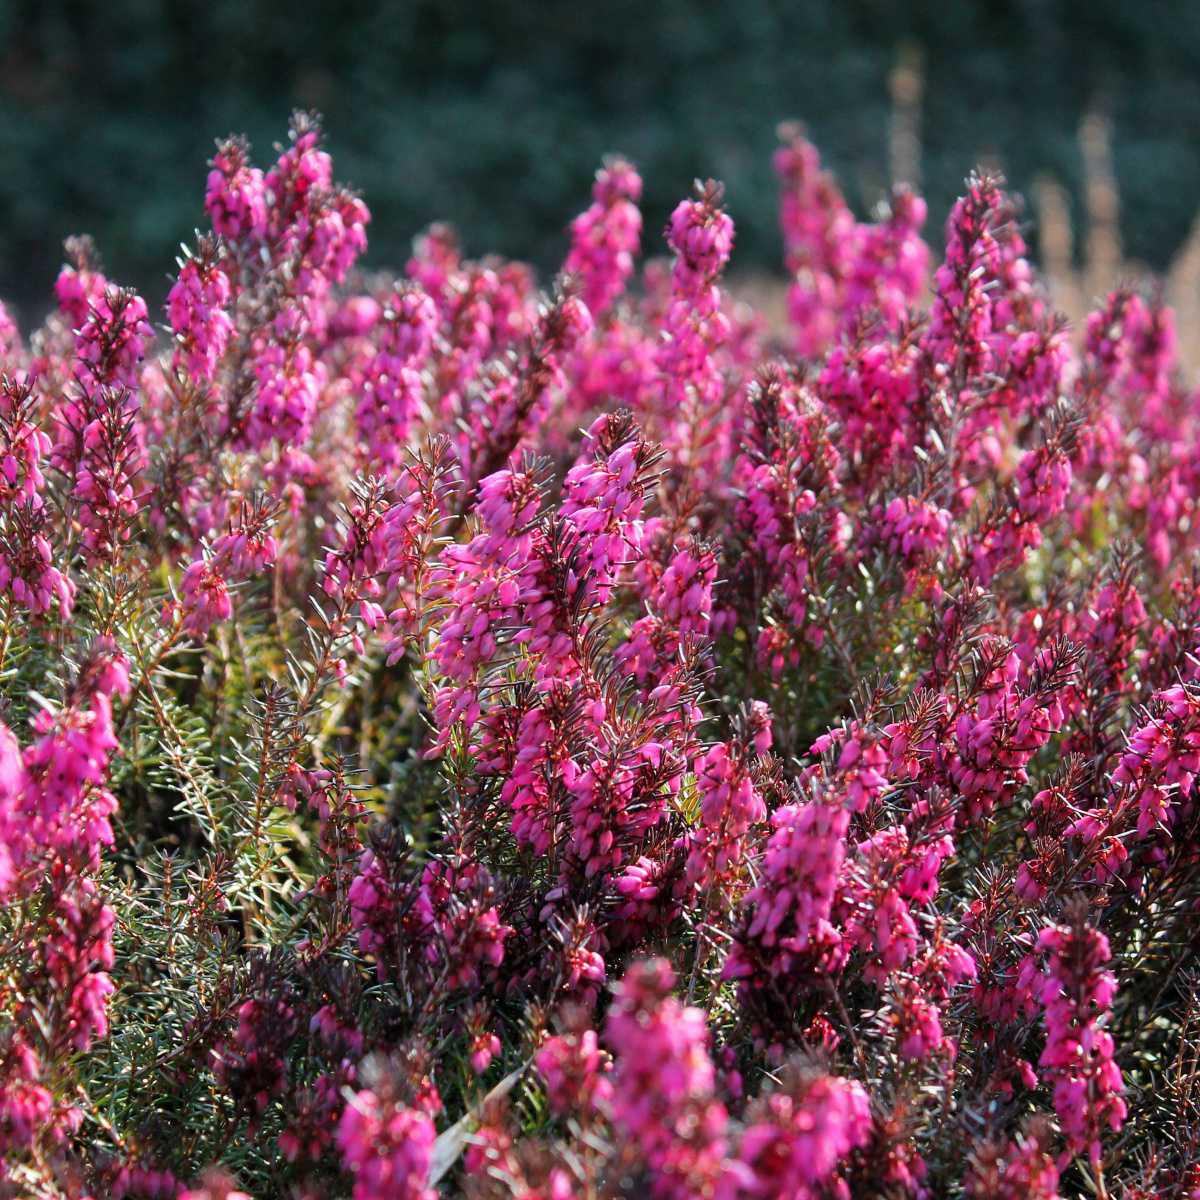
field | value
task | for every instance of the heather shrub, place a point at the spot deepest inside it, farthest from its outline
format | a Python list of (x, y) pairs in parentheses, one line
[(465, 738)]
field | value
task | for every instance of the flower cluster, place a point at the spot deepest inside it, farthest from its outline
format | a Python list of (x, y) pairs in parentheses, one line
[(386, 1145), (841, 268), (605, 238), (1076, 994), (664, 1084), (460, 737)]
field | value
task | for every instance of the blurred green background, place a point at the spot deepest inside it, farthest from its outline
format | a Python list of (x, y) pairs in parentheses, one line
[(493, 114)]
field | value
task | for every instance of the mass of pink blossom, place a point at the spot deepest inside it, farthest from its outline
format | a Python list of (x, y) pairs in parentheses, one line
[(464, 734)]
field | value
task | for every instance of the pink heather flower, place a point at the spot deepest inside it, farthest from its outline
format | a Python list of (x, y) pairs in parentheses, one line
[(580, 965), (820, 237), (701, 236), (65, 805), (24, 446), (889, 875), (302, 169), (798, 1136), (605, 238), (106, 471), (26, 1106), (917, 1025), (603, 496), (663, 1084), (541, 751), (574, 1069), (356, 316), (26, 567), (289, 382), (136, 1182), (484, 1047), (236, 198), (249, 547), (28, 573), (651, 893), (787, 477), (386, 1146), (892, 264), (10, 339), (785, 934), (393, 388), (447, 926), (12, 781), (942, 964), (839, 268), (616, 798), (507, 412), (695, 429), (1043, 482), (204, 598), (1042, 486), (318, 1112), (1020, 1169), (729, 805), (198, 309), (681, 610), (913, 531), (871, 388), (1013, 718), (482, 1044), (1131, 344), (55, 817), (1038, 360), (860, 763), (481, 581), (354, 573), (79, 288), (436, 263), (493, 1155), (1111, 622), (1076, 994), (251, 1064), (328, 1023), (544, 574), (338, 235), (111, 342), (1162, 759), (98, 431), (410, 322), (961, 318)]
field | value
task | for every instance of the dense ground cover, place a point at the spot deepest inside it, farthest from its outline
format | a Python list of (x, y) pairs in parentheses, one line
[(583, 743)]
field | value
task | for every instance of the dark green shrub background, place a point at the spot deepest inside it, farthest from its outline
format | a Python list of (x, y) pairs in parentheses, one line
[(494, 113)]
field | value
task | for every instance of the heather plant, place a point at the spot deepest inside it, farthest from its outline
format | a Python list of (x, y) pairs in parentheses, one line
[(466, 738)]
